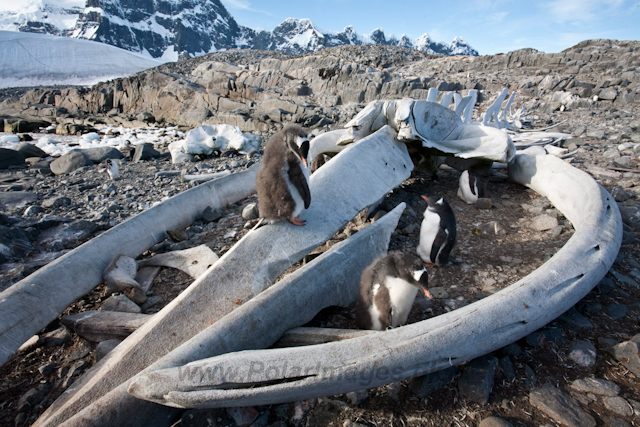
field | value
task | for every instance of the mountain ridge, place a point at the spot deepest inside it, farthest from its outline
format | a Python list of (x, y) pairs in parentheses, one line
[(173, 29)]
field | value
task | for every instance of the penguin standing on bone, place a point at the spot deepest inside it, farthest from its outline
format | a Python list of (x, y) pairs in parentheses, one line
[(282, 181), (437, 232), (471, 187), (388, 287)]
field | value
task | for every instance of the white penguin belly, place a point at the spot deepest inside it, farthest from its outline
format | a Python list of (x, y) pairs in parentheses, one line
[(297, 198), (374, 312), (402, 295), (428, 232), (464, 189)]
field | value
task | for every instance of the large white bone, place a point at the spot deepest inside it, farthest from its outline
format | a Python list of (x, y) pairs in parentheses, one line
[(467, 113), (292, 374), (52, 288), (354, 179), (332, 279), (491, 114)]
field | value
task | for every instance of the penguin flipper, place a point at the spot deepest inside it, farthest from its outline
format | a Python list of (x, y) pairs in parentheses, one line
[(299, 180), (438, 244)]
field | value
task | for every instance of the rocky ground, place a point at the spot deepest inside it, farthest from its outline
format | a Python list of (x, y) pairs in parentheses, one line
[(580, 370)]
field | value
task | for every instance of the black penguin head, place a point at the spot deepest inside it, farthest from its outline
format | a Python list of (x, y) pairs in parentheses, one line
[(413, 271), (297, 141), (436, 203)]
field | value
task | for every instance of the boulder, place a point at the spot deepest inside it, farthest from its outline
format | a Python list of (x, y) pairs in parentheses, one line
[(30, 150), (100, 154), (74, 159), (9, 157)]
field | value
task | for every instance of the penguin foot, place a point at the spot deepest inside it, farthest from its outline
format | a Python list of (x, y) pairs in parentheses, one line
[(297, 221), (428, 264)]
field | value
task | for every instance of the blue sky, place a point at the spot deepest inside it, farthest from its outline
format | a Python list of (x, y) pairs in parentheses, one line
[(490, 26)]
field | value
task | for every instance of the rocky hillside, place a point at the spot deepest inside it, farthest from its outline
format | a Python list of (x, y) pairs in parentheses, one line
[(260, 90)]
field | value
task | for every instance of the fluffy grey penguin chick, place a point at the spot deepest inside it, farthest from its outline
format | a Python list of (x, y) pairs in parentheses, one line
[(471, 187), (282, 181), (388, 288), (112, 169), (437, 232)]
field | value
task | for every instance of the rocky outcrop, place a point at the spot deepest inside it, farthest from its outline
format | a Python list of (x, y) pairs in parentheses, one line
[(258, 91)]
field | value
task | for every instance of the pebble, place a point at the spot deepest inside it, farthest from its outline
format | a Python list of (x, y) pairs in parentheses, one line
[(425, 385), (104, 347), (476, 380), (120, 303), (560, 407), (494, 422), (596, 386), (543, 223), (583, 353), (618, 405), (617, 311), (627, 353)]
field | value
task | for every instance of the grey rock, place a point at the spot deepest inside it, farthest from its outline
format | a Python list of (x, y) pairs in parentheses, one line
[(250, 212), (357, 397), (617, 311), (544, 336), (628, 353), (212, 215), (624, 279), (543, 223), (425, 385), (104, 347), (151, 303), (206, 417), (120, 303), (616, 422), (243, 416), (30, 150), (33, 211), (100, 154), (559, 406), (476, 381), (583, 353), (56, 202), (618, 405), (575, 319), (9, 157), (630, 216), (145, 151), (10, 200), (55, 338), (494, 422), (608, 94), (596, 386), (33, 397), (69, 162), (507, 368)]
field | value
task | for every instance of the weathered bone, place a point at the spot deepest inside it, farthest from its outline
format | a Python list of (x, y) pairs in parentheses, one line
[(486, 325), (467, 113), (193, 261), (491, 114), (445, 101), (330, 279), (432, 95), (81, 269), (371, 168), (503, 116), (97, 326)]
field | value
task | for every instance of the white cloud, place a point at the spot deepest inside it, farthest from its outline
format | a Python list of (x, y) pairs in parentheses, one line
[(580, 11), (243, 5)]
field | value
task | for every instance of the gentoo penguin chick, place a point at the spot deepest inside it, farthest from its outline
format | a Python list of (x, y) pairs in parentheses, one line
[(471, 187), (282, 181), (112, 169), (437, 232), (388, 288)]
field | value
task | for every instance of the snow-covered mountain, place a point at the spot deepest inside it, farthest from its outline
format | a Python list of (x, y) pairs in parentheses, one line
[(28, 59), (166, 29)]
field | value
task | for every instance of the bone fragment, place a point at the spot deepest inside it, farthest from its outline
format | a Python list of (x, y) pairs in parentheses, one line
[(193, 261), (98, 326)]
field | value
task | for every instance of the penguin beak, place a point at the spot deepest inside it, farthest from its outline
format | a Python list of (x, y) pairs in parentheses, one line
[(427, 293), (425, 197), (304, 162)]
